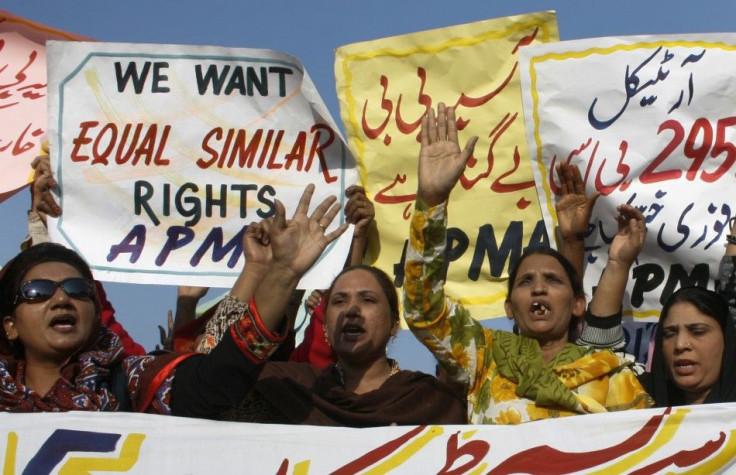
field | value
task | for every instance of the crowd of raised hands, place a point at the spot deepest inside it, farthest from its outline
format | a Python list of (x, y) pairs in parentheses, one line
[(238, 360)]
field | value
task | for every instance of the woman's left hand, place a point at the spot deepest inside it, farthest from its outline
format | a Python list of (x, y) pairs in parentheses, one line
[(297, 243), (629, 240), (359, 210)]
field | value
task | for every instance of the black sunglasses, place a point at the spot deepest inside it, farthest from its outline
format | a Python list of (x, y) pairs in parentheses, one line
[(38, 290)]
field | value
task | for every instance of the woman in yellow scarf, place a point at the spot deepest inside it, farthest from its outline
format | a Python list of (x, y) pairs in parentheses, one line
[(538, 373)]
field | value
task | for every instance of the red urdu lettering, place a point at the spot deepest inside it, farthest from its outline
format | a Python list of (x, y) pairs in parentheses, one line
[(386, 105)]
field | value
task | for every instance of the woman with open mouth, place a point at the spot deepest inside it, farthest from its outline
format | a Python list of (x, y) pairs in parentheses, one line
[(694, 356), (364, 388), (694, 353), (512, 378)]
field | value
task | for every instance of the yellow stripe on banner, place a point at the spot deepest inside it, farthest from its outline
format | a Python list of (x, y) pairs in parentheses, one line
[(479, 469), (10, 451), (128, 457), (302, 468), (407, 452), (665, 435), (724, 458), (469, 434)]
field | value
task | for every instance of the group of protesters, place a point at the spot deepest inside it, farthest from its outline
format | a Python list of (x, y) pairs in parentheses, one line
[(61, 348)]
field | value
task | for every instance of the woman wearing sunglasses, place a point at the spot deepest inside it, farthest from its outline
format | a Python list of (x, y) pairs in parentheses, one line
[(56, 355)]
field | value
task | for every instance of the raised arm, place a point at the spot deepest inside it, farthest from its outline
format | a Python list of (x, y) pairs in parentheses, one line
[(623, 251), (187, 298), (442, 325), (359, 210), (441, 162), (42, 200), (296, 245), (208, 385), (574, 209), (258, 258), (603, 321), (727, 271)]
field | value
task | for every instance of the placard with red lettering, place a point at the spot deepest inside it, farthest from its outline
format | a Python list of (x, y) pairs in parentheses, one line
[(164, 154), (23, 107), (386, 86), (650, 121)]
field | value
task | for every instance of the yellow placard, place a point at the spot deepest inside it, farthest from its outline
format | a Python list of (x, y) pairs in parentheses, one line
[(386, 85)]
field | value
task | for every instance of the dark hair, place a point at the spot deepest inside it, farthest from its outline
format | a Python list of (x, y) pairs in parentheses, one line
[(384, 281), (572, 275), (575, 282), (13, 273), (706, 301), (663, 390)]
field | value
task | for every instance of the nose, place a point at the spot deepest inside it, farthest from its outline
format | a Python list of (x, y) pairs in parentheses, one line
[(59, 296), (353, 310), (682, 342), (539, 286)]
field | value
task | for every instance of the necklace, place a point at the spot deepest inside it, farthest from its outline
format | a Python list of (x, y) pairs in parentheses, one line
[(392, 363)]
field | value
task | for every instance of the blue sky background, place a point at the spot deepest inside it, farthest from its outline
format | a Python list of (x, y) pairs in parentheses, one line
[(311, 31)]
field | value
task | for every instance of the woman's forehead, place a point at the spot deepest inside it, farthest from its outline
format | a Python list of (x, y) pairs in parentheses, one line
[(356, 279), (51, 270), (685, 312), (542, 262)]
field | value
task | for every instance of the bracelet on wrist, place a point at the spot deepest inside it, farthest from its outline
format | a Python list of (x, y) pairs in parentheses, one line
[(731, 239)]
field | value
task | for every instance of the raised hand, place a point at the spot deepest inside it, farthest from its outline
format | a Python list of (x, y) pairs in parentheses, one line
[(187, 298), (43, 180), (312, 301), (624, 248), (297, 243), (257, 243), (629, 240), (573, 207), (192, 292), (441, 162), (167, 337), (359, 210)]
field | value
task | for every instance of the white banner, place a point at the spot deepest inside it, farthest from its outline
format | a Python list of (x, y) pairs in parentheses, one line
[(650, 121), (165, 153), (696, 439)]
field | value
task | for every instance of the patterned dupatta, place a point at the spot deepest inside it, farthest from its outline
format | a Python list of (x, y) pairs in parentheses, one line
[(84, 384), (578, 380)]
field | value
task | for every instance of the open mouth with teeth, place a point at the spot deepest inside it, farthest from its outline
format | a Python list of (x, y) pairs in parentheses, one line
[(539, 309), (63, 321)]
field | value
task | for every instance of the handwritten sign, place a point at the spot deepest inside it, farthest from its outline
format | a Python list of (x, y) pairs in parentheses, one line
[(386, 86), (164, 155), (23, 107), (700, 439), (650, 122)]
